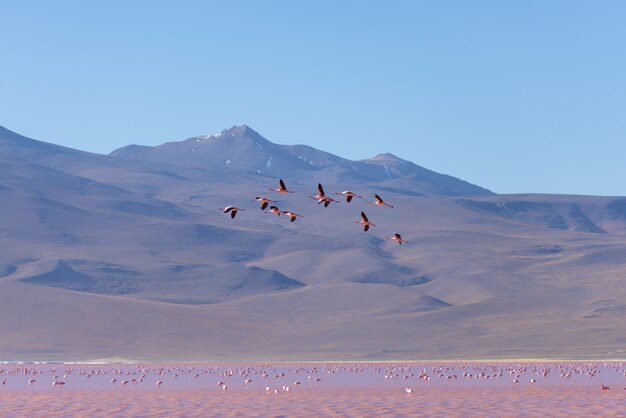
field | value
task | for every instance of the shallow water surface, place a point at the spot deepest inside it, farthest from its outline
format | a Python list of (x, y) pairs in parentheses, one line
[(332, 390)]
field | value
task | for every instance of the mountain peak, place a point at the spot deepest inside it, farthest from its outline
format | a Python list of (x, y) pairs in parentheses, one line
[(236, 131), (240, 130), (386, 157)]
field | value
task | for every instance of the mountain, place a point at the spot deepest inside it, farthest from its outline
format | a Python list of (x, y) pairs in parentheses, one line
[(241, 148), (127, 256)]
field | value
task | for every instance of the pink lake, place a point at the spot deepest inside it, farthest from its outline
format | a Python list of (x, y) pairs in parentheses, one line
[(323, 390)]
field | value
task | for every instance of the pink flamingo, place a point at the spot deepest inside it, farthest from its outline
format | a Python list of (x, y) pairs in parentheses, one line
[(349, 195), (379, 201), (397, 238), (264, 201), (321, 196), (274, 211), (281, 188), (292, 215), (232, 209), (365, 222)]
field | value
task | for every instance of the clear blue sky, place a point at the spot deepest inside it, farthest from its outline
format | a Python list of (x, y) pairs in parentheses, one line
[(515, 96)]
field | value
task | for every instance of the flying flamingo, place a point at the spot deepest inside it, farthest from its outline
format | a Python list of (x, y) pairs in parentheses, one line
[(264, 201), (365, 222), (321, 197), (232, 209), (291, 215), (397, 238), (379, 201), (281, 188), (349, 195), (274, 210)]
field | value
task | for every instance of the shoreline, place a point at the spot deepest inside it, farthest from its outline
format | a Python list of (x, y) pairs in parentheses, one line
[(534, 360)]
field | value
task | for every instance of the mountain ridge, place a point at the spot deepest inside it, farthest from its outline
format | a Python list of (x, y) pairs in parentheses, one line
[(243, 148), (130, 257)]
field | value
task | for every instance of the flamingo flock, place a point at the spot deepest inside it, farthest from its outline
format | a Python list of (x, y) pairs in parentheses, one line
[(590, 389), (287, 378), (322, 199)]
